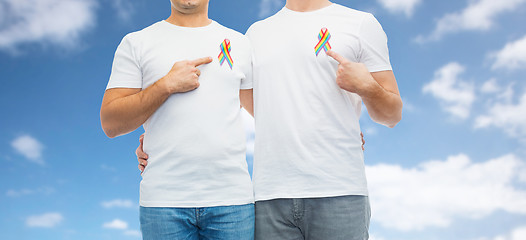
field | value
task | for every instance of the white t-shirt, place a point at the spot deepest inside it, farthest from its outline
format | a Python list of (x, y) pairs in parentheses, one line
[(195, 140), (308, 140)]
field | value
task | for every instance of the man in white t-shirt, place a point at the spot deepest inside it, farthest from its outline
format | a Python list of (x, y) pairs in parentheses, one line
[(196, 185), (314, 64)]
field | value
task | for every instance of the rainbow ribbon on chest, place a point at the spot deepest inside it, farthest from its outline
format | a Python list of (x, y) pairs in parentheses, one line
[(224, 55), (324, 36)]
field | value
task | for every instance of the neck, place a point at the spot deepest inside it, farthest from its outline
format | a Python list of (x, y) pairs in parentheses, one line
[(306, 5), (194, 19)]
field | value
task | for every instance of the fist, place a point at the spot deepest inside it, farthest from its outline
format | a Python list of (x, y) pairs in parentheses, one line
[(184, 75), (351, 76)]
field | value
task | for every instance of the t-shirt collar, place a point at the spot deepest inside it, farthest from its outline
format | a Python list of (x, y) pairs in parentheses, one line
[(288, 11)]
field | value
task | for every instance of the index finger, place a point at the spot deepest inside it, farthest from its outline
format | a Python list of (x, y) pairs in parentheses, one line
[(339, 58), (201, 61)]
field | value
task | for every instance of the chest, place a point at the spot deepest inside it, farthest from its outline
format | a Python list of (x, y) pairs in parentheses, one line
[(158, 56), (306, 40)]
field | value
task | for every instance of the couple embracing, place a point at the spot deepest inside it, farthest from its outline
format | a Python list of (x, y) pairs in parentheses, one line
[(302, 73)]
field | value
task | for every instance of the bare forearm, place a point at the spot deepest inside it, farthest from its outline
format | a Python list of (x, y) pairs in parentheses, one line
[(384, 107), (122, 115), (246, 97), (378, 90)]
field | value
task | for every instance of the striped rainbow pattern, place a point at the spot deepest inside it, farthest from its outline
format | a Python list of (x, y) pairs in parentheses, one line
[(224, 55), (324, 36)]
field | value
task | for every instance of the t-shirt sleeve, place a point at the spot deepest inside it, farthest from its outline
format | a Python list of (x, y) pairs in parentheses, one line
[(374, 52), (247, 82), (126, 71)]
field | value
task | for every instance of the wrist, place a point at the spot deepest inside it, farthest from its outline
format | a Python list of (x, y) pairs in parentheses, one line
[(165, 88)]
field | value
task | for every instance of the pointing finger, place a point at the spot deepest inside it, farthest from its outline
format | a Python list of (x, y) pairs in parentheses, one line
[(201, 61), (339, 58)]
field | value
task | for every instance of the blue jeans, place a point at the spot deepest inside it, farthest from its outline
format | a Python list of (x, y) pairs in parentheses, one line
[(229, 222), (328, 218)]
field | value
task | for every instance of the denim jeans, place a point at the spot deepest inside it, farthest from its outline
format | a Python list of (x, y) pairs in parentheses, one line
[(229, 222), (328, 218)]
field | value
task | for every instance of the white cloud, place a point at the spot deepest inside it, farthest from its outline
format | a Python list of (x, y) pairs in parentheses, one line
[(408, 105), (517, 234), (370, 130), (59, 22), (29, 147), (24, 192), (122, 225), (47, 220), (455, 95), (375, 237), (269, 7), (116, 224), (400, 6), (490, 86), (506, 115), (124, 9), (119, 203), (479, 15), (133, 233), (512, 56), (435, 193)]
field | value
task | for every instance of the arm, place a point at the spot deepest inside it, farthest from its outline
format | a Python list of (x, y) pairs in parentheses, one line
[(378, 90), (246, 96), (125, 109), (383, 100)]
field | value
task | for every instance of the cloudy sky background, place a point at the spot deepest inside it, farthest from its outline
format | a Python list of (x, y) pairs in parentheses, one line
[(454, 168)]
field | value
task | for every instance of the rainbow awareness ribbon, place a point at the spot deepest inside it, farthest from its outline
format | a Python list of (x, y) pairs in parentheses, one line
[(324, 36), (224, 55)]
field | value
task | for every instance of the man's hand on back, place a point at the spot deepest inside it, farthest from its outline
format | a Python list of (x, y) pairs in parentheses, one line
[(363, 141), (142, 157)]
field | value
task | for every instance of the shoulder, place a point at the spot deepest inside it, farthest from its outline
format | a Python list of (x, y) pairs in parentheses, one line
[(145, 33), (230, 32), (347, 10), (350, 12), (365, 21), (255, 27), (265, 23), (235, 37)]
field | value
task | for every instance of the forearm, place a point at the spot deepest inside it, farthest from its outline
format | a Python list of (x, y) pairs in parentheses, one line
[(383, 106), (121, 114), (378, 90), (246, 97)]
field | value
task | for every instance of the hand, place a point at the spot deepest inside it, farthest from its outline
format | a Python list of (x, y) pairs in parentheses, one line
[(184, 75), (351, 76), (363, 141), (142, 157)]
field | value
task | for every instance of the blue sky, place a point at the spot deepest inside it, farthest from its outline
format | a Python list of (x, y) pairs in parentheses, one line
[(454, 168)]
